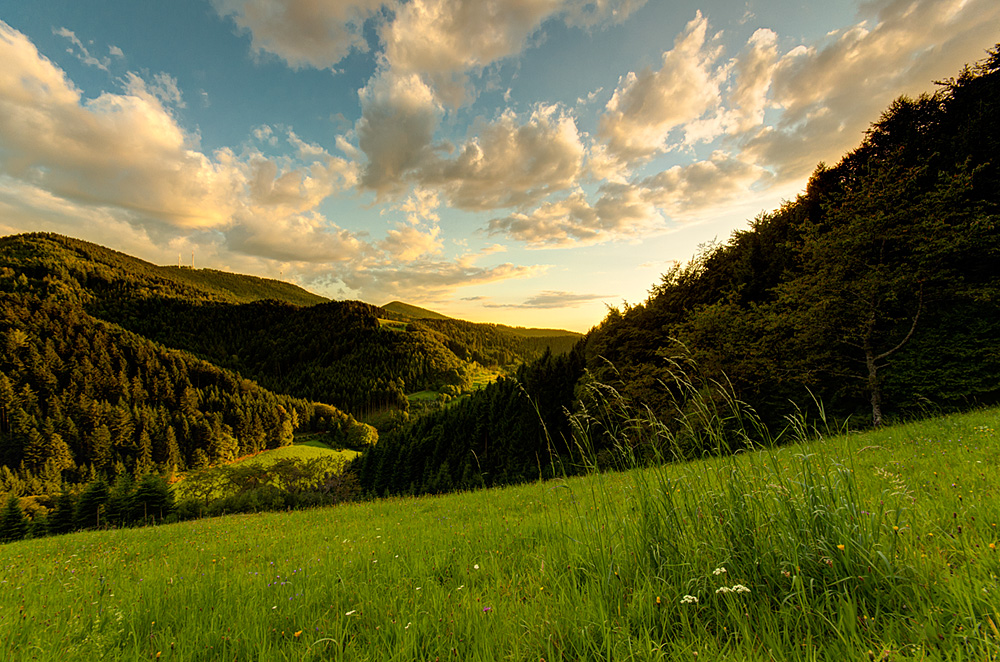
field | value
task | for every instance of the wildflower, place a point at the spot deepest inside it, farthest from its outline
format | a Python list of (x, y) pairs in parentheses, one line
[(719, 571), (737, 588), (686, 600), (475, 567), (840, 547), (298, 633), (993, 545), (353, 611), (487, 610)]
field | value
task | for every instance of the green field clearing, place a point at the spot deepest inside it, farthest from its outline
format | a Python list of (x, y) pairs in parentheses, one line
[(392, 325), (874, 546), (303, 449)]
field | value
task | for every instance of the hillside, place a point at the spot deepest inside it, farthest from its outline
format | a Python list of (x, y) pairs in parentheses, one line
[(113, 364), (884, 541), (873, 295), (92, 272), (413, 312), (80, 397)]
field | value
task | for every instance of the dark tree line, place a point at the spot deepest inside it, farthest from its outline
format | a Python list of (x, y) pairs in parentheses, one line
[(512, 431)]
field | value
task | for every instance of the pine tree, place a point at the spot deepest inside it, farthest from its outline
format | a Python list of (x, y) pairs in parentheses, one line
[(152, 500), (90, 507), (118, 511), (63, 519), (13, 523)]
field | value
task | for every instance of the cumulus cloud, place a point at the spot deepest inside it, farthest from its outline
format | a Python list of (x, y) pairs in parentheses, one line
[(507, 163), (304, 33), (420, 235), (399, 117), (625, 210), (648, 106), (307, 237), (701, 184), (124, 150), (444, 40), (829, 93), (752, 71), (120, 169), (621, 212), (127, 152)]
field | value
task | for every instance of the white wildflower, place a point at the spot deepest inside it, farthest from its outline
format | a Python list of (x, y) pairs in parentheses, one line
[(351, 613), (689, 600), (719, 571)]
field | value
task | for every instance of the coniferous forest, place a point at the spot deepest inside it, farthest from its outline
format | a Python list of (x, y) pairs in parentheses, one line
[(875, 294)]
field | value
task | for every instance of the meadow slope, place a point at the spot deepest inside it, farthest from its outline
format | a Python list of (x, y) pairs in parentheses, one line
[(879, 545)]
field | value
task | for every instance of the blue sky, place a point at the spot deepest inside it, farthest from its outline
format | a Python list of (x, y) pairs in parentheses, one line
[(519, 161)]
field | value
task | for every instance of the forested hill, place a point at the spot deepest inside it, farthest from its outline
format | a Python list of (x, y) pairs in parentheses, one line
[(91, 373), (80, 397), (875, 293), (52, 264)]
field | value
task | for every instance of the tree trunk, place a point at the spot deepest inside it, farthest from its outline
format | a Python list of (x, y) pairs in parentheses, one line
[(873, 386)]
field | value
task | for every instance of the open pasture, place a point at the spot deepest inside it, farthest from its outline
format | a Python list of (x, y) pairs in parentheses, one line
[(867, 546)]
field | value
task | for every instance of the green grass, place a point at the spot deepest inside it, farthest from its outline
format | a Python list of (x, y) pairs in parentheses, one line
[(866, 546), (306, 447), (392, 325), (302, 449)]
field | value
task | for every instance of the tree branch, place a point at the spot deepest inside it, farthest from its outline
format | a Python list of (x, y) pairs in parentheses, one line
[(920, 304)]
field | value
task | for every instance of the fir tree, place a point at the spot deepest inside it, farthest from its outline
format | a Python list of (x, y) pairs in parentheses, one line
[(13, 523)]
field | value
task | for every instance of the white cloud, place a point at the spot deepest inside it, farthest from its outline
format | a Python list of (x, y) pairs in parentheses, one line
[(163, 88), (430, 279), (81, 52), (550, 300), (507, 163), (127, 153), (621, 212), (304, 33), (445, 39), (712, 182), (752, 71), (829, 93), (399, 117), (307, 237), (123, 150), (648, 106)]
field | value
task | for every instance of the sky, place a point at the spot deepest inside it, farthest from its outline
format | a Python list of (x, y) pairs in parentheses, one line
[(527, 162)]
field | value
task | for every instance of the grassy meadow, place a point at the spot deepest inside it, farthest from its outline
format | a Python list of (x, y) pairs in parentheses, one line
[(874, 546)]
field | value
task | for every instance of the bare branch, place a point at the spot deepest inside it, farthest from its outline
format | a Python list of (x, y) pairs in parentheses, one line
[(920, 304)]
